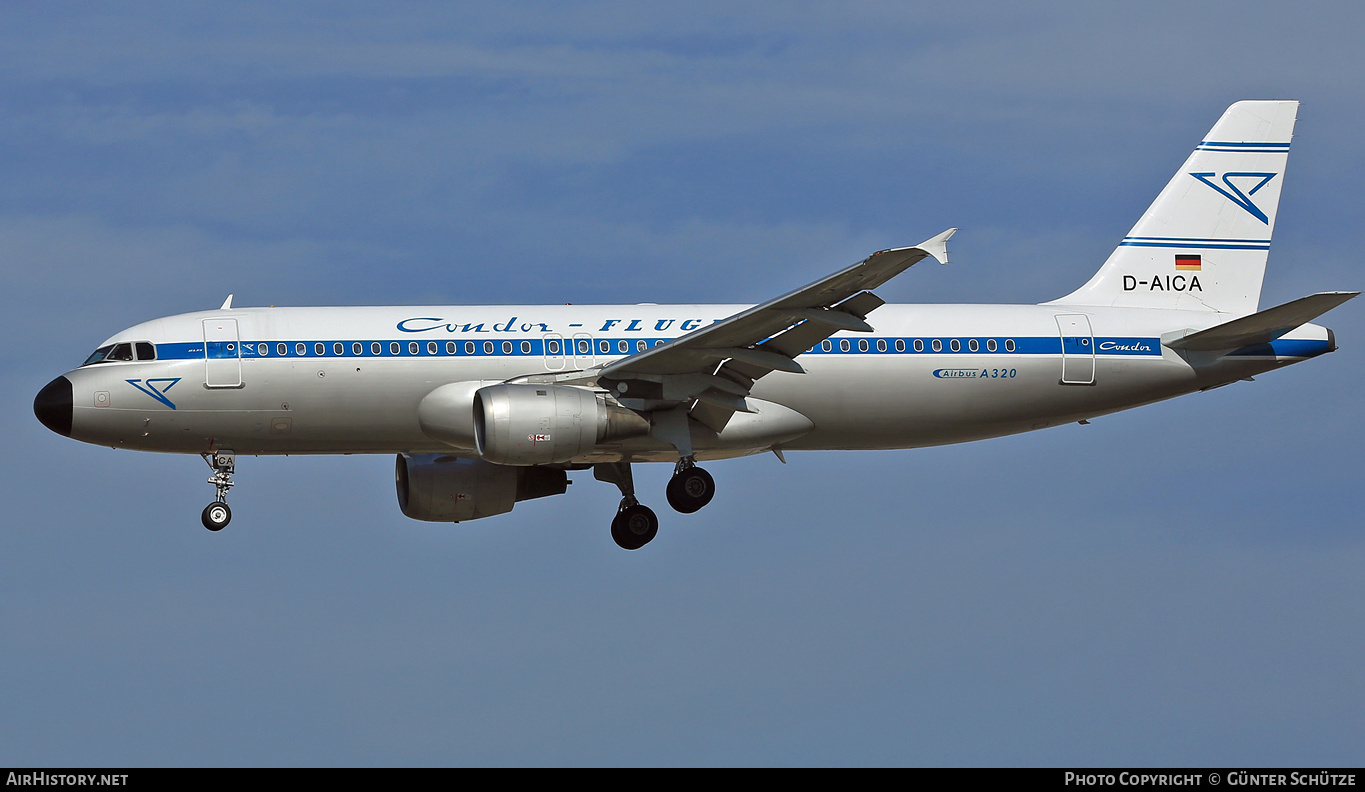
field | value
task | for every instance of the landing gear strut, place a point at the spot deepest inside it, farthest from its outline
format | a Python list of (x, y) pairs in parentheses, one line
[(217, 515), (635, 524), (690, 488)]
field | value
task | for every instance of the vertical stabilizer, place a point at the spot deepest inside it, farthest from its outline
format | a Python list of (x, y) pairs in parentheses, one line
[(1203, 244)]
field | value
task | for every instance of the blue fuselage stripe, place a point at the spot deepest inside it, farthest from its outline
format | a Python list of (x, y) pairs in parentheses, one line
[(612, 347)]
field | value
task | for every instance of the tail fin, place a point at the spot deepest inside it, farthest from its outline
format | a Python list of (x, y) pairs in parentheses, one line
[(1202, 245)]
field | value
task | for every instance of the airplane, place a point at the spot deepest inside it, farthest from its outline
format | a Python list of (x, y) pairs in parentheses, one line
[(487, 406)]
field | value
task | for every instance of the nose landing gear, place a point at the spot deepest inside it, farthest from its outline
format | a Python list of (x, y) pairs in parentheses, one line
[(217, 515)]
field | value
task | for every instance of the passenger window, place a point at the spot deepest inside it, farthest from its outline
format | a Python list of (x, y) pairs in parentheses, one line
[(507, 347), (1009, 344), (881, 344), (640, 346), (584, 347), (919, 345), (146, 351), (320, 348), (469, 347), (357, 348), (843, 345), (622, 346), (488, 347), (990, 345), (431, 347), (301, 348), (451, 348), (973, 346), (412, 348), (826, 345), (394, 348), (955, 345), (282, 349), (553, 346), (525, 347), (900, 344), (862, 345), (376, 348), (937, 345)]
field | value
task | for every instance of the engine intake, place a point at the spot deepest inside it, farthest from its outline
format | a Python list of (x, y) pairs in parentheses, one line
[(547, 424), (442, 488)]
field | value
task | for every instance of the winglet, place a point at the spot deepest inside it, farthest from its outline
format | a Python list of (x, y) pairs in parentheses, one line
[(938, 246), (227, 304)]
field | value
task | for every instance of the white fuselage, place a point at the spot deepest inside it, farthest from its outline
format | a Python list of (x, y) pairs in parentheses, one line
[(349, 380)]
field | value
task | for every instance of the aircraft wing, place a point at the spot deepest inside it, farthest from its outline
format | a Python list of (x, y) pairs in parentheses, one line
[(716, 365)]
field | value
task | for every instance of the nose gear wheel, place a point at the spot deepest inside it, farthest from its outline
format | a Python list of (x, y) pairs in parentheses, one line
[(216, 516)]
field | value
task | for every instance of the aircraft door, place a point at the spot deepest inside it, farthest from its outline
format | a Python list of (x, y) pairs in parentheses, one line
[(222, 354), (583, 354), (1078, 349), (554, 352)]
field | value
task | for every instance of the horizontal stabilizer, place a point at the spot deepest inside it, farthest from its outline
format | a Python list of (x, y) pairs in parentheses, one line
[(1264, 326)]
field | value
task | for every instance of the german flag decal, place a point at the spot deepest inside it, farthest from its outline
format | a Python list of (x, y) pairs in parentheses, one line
[(1188, 262)]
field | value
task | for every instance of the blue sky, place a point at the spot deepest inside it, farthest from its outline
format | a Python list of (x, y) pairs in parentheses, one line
[(1174, 585)]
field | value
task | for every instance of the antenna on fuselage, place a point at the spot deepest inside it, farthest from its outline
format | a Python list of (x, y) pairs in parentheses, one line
[(226, 303)]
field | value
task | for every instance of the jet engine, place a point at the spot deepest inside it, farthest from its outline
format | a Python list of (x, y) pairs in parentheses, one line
[(547, 424), (442, 488)]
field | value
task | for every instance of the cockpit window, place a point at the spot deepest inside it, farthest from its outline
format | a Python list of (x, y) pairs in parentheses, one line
[(122, 352), (98, 356)]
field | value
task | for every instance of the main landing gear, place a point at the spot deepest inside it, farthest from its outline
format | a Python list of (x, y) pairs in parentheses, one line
[(690, 488), (636, 524), (217, 515)]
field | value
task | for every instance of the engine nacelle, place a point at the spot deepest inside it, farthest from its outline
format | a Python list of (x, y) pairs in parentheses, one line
[(546, 424), (441, 488), (447, 413)]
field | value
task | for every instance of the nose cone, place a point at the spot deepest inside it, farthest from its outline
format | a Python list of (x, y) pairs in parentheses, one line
[(53, 406)]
